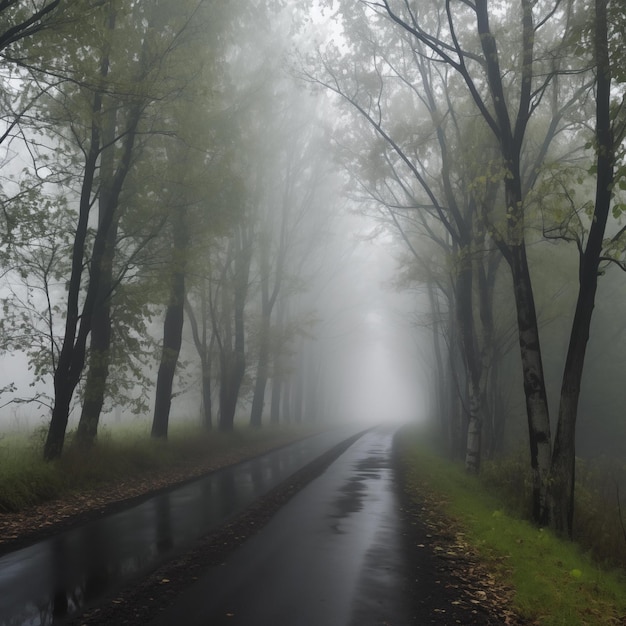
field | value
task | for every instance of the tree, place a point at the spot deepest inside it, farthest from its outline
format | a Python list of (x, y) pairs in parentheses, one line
[(22, 22), (204, 340), (174, 314), (283, 222), (22, 26), (146, 82), (77, 326), (508, 90), (119, 119), (562, 475), (196, 160), (216, 216), (231, 337), (434, 182), (509, 132)]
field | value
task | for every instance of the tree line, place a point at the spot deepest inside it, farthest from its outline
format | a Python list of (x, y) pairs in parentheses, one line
[(158, 169), (161, 169), (486, 129)]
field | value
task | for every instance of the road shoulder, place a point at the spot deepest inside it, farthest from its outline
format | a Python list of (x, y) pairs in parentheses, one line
[(451, 583)]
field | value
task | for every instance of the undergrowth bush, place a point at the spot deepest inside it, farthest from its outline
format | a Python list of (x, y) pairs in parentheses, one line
[(509, 478), (599, 510), (600, 501), (25, 478)]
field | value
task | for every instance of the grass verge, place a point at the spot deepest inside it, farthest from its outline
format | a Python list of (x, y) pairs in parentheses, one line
[(123, 455), (555, 583)]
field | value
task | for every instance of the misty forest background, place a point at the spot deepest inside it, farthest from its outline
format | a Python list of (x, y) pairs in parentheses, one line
[(274, 211)]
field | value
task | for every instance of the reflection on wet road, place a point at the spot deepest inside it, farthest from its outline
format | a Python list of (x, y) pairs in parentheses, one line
[(54, 578), (331, 556)]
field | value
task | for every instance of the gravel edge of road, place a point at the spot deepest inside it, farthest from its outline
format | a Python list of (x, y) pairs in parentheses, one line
[(140, 601)]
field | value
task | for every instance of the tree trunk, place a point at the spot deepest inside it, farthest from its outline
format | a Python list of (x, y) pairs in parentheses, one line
[(172, 327), (268, 300), (58, 422), (233, 361), (99, 351), (510, 140), (465, 317), (562, 477), (313, 386), (205, 352), (298, 392), (277, 387), (486, 270), (77, 327), (457, 384), (206, 363), (207, 401), (286, 399), (440, 374), (71, 357), (233, 369), (534, 382), (278, 375), (99, 360), (172, 339), (258, 400)]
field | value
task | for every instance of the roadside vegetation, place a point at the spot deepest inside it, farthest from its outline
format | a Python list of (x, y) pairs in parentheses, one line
[(555, 581), (124, 454)]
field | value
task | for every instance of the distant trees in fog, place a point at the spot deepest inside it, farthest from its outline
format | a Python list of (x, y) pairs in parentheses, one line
[(160, 165), (484, 127), (167, 170)]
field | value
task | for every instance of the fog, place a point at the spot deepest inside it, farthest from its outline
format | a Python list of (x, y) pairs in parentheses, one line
[(358, 323), (362, 329), (275, 226), (250, 242)]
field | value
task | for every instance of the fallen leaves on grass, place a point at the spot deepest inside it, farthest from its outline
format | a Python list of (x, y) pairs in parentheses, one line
[(474, 587)]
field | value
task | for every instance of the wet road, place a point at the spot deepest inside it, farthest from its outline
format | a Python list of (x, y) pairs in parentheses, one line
[(331, 556), (57, 577)]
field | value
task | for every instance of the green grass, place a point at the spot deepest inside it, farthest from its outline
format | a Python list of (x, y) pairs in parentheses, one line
[(555, 583), (121, 453), (599, 507)]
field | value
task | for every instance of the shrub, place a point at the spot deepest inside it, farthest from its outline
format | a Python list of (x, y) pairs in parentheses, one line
[(509, 478)]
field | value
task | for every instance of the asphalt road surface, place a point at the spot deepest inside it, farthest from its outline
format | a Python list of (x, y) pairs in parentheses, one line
[(330, 557), (53, 579)]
